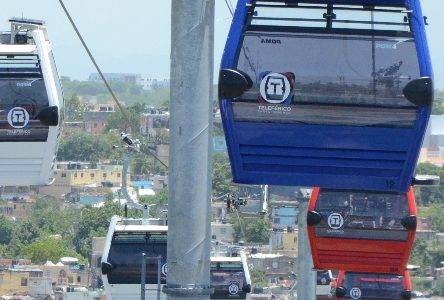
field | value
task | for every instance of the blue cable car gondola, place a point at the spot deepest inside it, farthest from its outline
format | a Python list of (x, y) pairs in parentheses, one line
[(331, 93)]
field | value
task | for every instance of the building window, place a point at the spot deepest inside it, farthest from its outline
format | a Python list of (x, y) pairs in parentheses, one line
[(79, 279), (81, 175), (24, 281), (63, 175), (104, 175), (118, 175), (75, 175), (92, 175), (70, 279)]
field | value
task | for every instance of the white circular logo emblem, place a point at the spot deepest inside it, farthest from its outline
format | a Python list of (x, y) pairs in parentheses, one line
[(275, 88), (233, 289), (335, 221), (18, 117), (165, 269), (355, 293)]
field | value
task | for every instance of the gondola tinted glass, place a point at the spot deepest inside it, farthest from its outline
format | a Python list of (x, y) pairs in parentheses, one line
[(125, 256), (321, 93), (373, 286), (227, 279), (22, 96), (370, 93), (362, 215)]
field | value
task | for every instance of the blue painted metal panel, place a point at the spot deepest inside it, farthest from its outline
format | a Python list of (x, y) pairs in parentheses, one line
[(341, 157)]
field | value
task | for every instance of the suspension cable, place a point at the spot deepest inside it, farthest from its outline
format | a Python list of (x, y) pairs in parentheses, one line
[(102, 76), (93, 60)]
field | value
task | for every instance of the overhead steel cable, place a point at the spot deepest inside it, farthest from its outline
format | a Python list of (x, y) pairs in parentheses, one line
[(229, 6), (93, 60), (102, 76)]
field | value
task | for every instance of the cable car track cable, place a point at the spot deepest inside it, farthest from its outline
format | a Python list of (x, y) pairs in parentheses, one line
[(102, 76)]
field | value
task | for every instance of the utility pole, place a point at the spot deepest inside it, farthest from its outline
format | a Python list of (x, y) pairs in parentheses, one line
[(189, 205), (306, 277)]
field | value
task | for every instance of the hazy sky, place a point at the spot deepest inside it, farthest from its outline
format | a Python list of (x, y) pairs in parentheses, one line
[(134, 35)]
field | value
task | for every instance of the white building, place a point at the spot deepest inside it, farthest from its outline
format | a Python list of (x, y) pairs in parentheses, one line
[(148, 82)]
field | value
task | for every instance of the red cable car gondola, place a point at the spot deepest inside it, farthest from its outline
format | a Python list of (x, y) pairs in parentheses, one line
[(361, 231), (373, 286)]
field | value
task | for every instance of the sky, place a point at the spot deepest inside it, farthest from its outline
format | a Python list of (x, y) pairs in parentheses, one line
[(133, 36)]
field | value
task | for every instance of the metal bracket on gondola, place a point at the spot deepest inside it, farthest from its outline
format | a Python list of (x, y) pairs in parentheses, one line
[(419, 91), (341, 291), (106, 268), (409, 222), (426, 180), (313, 218), (49, 116), (233, 83), (407, 295)]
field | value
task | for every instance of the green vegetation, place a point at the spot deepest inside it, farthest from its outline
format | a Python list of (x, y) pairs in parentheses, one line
[(160, 198), (48, 248), (127, 93), (86, 147), (52, 231), (251, 230), (426, 195), (74, 109), (438, 104), (222, 178), (258, 278)]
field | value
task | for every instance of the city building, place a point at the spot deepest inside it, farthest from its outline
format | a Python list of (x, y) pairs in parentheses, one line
[(70, 175), (432, 150), (96, 121), (154, 123), (115, 77), (25, 280), (16, 208), (222, 231), (284, 216), (284, 239), (148, 82)]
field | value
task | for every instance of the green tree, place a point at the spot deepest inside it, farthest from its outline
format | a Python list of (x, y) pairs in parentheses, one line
[(6, 230), (74, 108), (426, 195), (258, 278), (161, 198), (222, 178), (49, 248), (93, 222), (251, 230), (435, 213), (83, 146), (438, 103), (124, 122)]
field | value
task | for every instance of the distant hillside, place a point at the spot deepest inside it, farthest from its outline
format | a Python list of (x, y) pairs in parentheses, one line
[(126, 92)]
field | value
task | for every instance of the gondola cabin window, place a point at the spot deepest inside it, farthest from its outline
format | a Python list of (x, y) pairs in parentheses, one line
[(328, 65), (23, 95), (126, 256), (362, 215)]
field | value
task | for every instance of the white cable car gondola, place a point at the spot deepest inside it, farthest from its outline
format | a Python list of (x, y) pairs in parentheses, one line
[(125, 242), (230, 277), (121, 266), (30, 102)]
